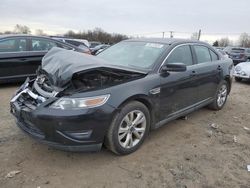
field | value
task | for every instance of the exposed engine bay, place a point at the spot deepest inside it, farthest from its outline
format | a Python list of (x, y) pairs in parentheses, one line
[(100, 78)]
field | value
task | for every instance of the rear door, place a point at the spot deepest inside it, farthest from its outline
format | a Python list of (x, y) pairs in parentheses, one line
[(38, 48), (208, 70), (13, 57), (179, 89)]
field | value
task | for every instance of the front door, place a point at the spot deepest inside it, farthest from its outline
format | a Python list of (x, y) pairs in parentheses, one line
[(178, 89)]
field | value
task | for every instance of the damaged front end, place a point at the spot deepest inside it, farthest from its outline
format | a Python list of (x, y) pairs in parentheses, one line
[(45, 109)]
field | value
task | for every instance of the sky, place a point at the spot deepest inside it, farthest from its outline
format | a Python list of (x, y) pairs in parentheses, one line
[(142, 18)]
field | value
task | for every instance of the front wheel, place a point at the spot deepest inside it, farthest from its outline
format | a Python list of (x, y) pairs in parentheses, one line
[(129, 128), (220, 96)]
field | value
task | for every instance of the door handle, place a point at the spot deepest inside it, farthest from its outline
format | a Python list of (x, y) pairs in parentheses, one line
[(193, 73)]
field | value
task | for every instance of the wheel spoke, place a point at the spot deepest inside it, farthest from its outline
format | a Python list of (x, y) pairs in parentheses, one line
[(131, 117), (140, 130), (127, 140), (224, 93), (121, 136), (136, 133), (139, 119), (126, 119), (123, 129)]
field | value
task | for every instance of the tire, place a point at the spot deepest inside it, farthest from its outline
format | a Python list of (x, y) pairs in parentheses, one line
[(122, 137), (237, 79), (222, 92)]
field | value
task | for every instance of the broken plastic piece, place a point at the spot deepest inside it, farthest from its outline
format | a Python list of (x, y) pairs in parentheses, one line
[(213, 125), (248, 168), (12, 173)]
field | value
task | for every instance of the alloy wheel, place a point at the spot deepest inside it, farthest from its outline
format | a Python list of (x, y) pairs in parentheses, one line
[(132, 129), (222, 95)]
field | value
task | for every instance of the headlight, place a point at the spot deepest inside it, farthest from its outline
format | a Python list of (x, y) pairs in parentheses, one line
[(243, 73), (237, 68), (79, 103)]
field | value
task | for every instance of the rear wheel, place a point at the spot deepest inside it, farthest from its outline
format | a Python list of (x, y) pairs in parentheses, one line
[(128, 129), (237, 79), (220, 96)]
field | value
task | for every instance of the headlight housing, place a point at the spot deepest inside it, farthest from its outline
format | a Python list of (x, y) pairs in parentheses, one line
[(243, 73), (65, 103), (237, 68)]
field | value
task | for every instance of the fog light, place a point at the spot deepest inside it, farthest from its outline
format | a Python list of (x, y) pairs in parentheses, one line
[(76, 136)]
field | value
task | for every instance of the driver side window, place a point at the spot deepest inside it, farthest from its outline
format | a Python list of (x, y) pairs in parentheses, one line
[(181, 54)]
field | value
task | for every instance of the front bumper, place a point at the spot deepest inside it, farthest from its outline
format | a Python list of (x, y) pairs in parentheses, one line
[(239, 75), (71, 130)]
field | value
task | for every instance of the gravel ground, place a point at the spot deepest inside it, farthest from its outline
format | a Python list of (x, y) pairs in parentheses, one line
[(184, 153)]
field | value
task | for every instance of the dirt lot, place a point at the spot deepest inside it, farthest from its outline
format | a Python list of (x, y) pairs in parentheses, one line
[(185, 153)]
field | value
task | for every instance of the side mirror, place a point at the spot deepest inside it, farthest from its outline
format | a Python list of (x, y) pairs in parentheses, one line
[(174, 67)]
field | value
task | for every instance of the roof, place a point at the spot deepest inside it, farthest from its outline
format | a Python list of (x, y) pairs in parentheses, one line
[(164, 40), (21, 35)]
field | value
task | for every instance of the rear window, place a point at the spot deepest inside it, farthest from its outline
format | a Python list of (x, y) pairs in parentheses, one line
[(214, 56), (238, 50), (13, 45), (42, 45), (202, 54)]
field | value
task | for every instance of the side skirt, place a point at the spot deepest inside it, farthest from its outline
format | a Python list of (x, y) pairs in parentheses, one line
[(183, 112)]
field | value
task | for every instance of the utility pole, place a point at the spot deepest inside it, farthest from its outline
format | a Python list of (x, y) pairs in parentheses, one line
[(171, 34), (199, 34), (163, 34)]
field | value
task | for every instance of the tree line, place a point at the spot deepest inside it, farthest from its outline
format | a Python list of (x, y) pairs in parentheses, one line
[(102, 36), (91, 35), (244, 41)]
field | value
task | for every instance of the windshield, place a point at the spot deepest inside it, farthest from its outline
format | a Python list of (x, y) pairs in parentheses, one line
[(133, 54)]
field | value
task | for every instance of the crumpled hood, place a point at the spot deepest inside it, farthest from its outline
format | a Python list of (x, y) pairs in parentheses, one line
[(60, 65)]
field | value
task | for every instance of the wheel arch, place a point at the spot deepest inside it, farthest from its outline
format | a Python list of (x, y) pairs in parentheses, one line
[(144, 99)]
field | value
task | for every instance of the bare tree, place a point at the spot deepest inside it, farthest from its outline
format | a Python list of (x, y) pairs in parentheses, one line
[(216, 43), (223, 42), (244, 40), (97, 35), (22, 29), (40, 32)]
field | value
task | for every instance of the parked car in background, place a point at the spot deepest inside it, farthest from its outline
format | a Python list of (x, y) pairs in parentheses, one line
[(20, 55), (99, 48), (64, 39), (80, 43), (93, 44), (242, 71), (228, 49), (239, 55), (219, 48), (224, 54), (80, 102)]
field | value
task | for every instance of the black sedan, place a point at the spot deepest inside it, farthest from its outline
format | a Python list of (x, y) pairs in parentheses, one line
[(20, 55), (80, 102)]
